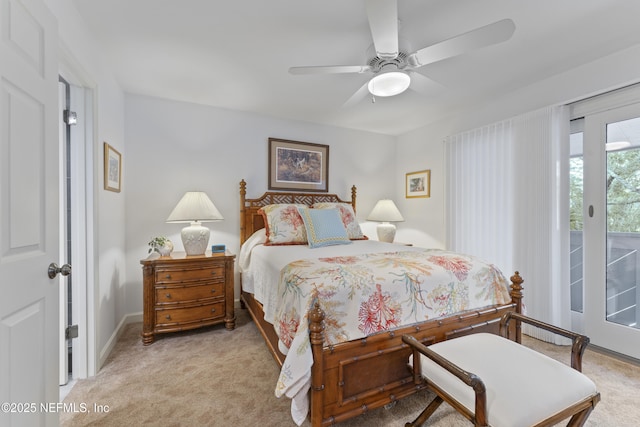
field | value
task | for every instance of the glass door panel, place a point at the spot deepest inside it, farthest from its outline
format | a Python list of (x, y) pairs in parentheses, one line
[(611, 232), (576, 247), (623, 221)]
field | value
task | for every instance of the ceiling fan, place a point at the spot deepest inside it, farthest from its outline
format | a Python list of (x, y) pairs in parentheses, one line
[(392, 68)]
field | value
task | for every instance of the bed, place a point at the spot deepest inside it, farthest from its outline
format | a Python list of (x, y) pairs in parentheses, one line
[(333, 370)]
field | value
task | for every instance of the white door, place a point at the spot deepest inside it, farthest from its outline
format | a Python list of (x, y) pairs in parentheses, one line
[(29, 157), (612, 229)]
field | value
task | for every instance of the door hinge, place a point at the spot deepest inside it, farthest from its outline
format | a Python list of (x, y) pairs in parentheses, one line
[(71, 332), (70, 117)]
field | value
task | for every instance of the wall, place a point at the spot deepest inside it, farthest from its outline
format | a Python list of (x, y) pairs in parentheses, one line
[(424, 217), (424, 149), (79, 50), (174, 147)]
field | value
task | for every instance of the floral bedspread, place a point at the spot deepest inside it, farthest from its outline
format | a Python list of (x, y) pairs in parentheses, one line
[(370, 293)]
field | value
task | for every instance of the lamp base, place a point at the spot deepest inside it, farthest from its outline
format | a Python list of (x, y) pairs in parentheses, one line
[(386, 232), (195, 238)]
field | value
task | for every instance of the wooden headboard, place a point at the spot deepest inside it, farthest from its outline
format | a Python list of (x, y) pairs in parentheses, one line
[(251, 221)]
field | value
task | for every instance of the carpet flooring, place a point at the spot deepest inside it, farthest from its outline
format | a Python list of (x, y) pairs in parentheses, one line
[(215, 377)]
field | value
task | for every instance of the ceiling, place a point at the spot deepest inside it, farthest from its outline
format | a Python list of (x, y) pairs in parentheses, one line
[(236, 54)]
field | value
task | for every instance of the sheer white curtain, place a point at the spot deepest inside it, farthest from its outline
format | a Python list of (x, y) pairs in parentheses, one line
[(507, 202), (479, 193)]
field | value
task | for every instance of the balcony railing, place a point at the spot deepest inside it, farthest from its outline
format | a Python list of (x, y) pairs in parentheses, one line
[(623, 304)]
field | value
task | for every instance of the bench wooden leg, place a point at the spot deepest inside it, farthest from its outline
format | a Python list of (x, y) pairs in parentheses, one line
[(428, 411), (580, 418)]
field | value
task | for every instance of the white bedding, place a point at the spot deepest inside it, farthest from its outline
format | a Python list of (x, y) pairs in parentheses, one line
[(261, 265)]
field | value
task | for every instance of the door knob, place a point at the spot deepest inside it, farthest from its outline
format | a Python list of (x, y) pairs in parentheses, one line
[(53, 270)]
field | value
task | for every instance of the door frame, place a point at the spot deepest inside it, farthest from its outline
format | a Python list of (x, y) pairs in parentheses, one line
[(83, 166)]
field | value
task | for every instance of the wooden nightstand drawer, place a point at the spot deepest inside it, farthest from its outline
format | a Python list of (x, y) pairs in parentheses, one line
[(202, 313), (175, 295), (187, 275)]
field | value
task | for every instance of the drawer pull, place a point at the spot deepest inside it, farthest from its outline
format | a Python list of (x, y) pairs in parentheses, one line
[(213, 310), (213, 291), (168, 276), (168, 317), (168, 296)]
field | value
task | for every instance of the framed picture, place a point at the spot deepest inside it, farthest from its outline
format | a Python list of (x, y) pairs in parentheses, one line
[(418, 184), (295, 165), (112, 168)]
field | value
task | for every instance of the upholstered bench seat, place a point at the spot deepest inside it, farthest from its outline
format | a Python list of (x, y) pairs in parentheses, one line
[(497, 382), (523, 386)]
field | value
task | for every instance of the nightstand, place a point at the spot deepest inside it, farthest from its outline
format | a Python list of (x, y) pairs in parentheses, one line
[(183, 292)]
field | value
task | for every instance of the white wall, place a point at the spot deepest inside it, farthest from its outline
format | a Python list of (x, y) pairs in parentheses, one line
[(424, 217), (424, 149), (80, 54), (174, 147)]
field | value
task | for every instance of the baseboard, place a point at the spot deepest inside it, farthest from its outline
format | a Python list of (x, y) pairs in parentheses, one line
[(615, 355), (108, 348)]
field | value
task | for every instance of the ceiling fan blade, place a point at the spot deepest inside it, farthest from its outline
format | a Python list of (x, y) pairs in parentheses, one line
[(475, 39), (424, 85), (383, 21), (357, 97), (331, 69)]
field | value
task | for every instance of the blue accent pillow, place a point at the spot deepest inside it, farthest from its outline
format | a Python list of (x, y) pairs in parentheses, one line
[(324, 227)]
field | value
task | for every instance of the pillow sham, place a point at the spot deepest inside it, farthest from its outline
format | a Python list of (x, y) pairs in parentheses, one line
[(283, 224), (348, 217), (324, 227)]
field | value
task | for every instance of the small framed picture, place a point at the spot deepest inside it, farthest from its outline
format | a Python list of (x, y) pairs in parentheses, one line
[(112, 168), (295, 165), (418, 184)]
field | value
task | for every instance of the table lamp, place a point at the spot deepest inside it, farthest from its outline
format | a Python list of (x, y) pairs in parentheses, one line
[(385, 211), (195, 207)]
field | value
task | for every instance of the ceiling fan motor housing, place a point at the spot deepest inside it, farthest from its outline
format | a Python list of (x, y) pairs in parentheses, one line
[(378, 64)]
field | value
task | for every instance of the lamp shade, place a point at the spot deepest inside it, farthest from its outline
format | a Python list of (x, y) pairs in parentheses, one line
[(195, 206), (385, 211)]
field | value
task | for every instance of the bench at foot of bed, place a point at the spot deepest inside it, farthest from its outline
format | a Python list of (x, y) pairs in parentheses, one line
[(502, 383)]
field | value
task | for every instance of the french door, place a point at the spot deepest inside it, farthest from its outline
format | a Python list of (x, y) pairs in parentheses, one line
[(611, 229)]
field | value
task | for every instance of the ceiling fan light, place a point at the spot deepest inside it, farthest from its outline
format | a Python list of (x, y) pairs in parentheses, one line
[(389, 84)]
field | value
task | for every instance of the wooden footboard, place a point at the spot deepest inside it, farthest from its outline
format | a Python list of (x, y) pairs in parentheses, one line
[(351, 378)]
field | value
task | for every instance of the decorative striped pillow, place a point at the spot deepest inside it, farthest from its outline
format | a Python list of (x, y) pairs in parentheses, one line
[(324, 227)]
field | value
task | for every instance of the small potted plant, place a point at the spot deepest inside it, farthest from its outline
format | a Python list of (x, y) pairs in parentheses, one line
[(162, 245)]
